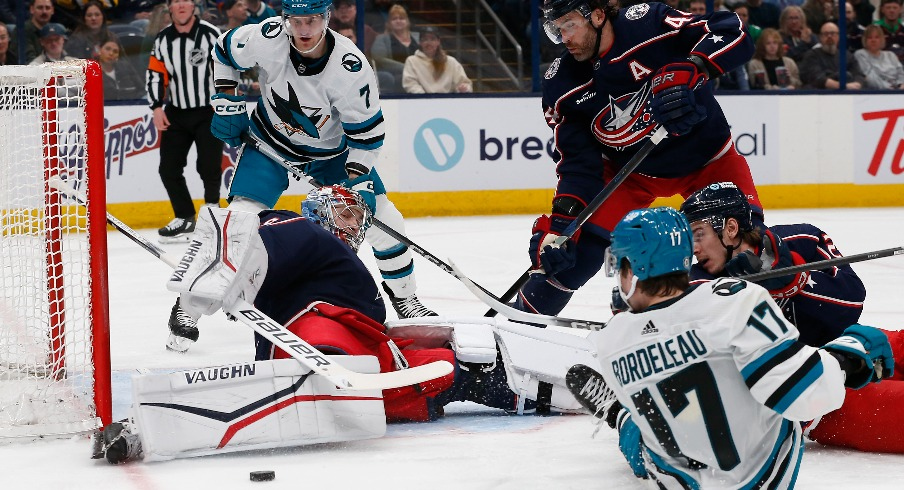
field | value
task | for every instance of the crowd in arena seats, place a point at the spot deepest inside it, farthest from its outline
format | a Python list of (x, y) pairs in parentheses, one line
[(796, 46)]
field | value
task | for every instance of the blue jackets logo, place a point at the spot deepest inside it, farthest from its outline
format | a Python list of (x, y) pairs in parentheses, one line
[(439, 144)]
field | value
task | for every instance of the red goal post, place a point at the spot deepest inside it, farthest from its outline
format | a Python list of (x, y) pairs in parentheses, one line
[(54, 312)]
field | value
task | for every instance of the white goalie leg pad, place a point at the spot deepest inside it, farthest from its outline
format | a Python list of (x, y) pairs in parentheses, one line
[(535, 356), (471, 338), (225, 260), (254, 405)]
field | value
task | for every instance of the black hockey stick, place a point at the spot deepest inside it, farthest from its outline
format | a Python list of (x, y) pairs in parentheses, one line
[(272, 154), (301, 351), (591, 208), (822, 264)]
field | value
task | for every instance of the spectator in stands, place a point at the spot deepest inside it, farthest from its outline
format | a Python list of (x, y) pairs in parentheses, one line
[(90, 31), (40, 12), (431, 71), (763, 14), (743, 12), (798, 38), (854, 28), (258, 11), (345, 14), (819, 12), (235, 13), (69, 12), (121, 81), (129, 11), (159, 19), (393, 47), (882, 69), (8, 11), (864, 10), (52, 38), (820, 66), (890, 22), (376, 14), (768, 68), (7, 56), (697, 7)]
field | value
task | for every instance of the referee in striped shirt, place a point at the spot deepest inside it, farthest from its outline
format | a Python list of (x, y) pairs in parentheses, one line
[(179, 86)]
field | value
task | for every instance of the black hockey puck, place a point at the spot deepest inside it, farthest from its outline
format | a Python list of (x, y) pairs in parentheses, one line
[(263, 475)]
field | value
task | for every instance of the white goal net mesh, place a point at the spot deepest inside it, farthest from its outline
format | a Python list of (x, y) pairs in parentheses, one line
[(46, 370)]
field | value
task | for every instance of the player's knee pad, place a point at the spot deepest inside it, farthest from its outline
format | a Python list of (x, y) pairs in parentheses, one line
[(256, 405)]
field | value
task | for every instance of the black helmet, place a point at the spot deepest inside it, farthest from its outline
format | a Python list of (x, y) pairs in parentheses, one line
[(717, 202)]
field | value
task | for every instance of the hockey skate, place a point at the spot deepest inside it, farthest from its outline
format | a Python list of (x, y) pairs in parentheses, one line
[(590, 390), (183, 330), (178, 230), (121, 442), (409, 307)]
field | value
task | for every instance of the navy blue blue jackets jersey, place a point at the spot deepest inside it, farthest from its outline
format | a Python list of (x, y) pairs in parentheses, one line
[(833, 297), (307, 264), (600, 109)]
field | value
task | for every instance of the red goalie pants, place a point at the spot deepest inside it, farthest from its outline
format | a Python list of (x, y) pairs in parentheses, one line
[(337, 330), (870, 418), (639, 191)]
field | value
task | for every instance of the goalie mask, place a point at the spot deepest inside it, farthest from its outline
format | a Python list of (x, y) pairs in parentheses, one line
[(339, 211)]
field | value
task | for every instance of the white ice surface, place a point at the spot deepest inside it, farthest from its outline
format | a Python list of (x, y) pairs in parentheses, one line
[(473, 447)]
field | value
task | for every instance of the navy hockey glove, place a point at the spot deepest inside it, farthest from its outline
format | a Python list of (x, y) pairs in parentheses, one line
[(546, 256), (674, 103), (618, 304), (868, 354), (230, 118), (363, 185), (774, 254)]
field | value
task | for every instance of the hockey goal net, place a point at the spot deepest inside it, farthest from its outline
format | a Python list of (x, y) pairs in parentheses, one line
[(54, 328)]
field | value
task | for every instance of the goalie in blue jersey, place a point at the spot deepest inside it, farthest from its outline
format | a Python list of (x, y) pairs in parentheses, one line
[(303, 271), (710, 383)]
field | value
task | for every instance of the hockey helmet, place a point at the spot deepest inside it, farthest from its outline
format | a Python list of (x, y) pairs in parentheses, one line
[(339, 211), (305, 7), (656, 241), (554, 9), (717, 202)]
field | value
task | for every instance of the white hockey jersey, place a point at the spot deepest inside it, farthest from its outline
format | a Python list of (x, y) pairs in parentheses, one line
[(717, 383), (308, 111)]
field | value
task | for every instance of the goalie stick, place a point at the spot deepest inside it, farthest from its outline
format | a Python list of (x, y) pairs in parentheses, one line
[(522, 316), (275, 332), (591, 208), (822, 264)]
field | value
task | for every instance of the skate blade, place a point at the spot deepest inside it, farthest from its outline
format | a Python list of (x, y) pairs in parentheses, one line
[(178, 344)]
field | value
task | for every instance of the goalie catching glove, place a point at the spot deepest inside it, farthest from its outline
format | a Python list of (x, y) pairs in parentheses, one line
[(230, 118), (774, 254), (864, 354), (673, 103), (225, 260)]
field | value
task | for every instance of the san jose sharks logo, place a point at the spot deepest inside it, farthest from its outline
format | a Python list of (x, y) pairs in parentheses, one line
[(626, 120), (351, 62), (296, 118)]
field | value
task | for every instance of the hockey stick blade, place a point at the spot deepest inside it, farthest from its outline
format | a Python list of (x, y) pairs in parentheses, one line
[(522, 316), (823, 264), (635, 161), (282, 337)]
